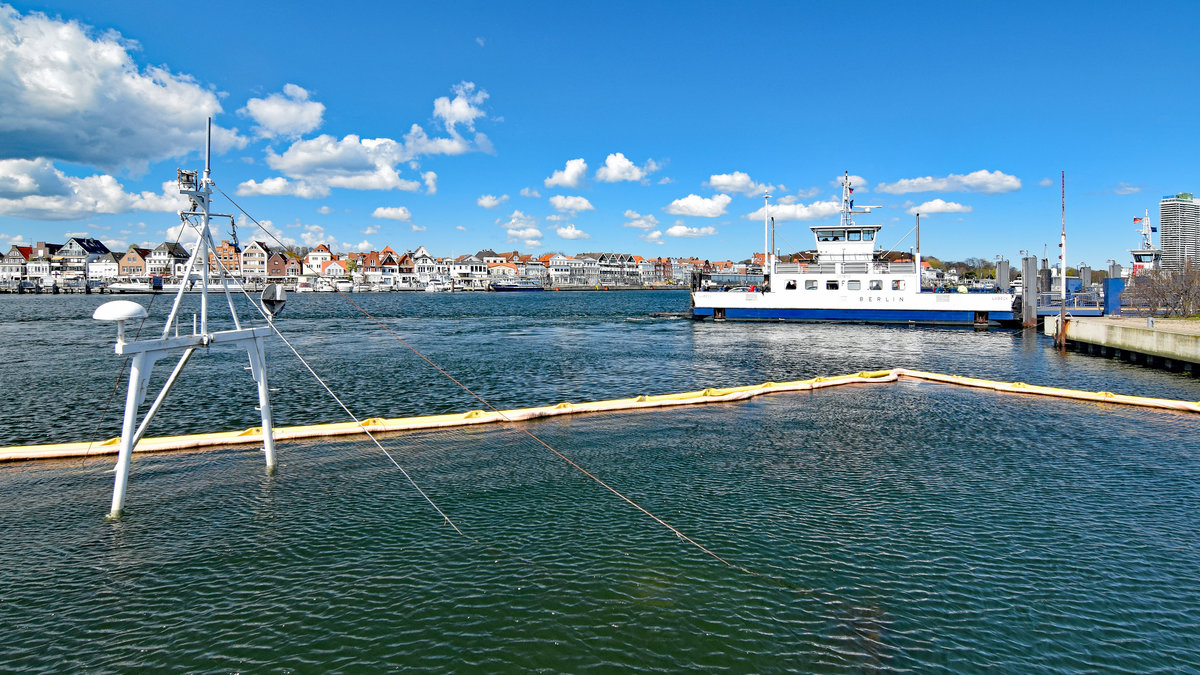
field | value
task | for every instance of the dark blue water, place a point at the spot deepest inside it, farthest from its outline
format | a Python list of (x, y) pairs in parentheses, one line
[(905, 526)]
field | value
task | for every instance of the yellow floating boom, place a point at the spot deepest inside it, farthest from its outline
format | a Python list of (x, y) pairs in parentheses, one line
[(376, 425)]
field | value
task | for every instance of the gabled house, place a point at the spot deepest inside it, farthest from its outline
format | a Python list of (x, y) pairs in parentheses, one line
[(106, 267), (335, 269), (133, 262), (254, 260), (78, 252), (502, 270), (13, 266), (314, 262), (166, 258), (277, 266), (468, 271)]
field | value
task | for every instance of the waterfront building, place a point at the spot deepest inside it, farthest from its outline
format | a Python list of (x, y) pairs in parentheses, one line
[(557, 269), (230, 257), (133, 262), (106, 267), (277, 266), (13, 266), (335, 269), (315, 261), (77, 253), (166, 259), (502, 271), (469, 271), (1179, 233), (404, 271), (254, 261)]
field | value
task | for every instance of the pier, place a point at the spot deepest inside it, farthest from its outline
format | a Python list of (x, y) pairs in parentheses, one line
[(1173, 344)]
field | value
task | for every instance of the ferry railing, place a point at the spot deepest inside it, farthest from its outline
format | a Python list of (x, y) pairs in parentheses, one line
[(1075, 301)]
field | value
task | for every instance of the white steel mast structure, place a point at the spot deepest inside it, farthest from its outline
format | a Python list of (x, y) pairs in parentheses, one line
[(145, 353)]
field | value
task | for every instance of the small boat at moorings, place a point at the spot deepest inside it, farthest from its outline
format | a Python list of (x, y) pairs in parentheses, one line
[(516, 286), (848, 281)]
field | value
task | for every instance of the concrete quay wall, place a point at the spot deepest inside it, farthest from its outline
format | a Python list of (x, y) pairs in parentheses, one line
[(1162, 342)]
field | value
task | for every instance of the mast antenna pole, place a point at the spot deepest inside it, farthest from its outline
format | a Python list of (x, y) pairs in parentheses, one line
[(1061, 336), (766, 236)]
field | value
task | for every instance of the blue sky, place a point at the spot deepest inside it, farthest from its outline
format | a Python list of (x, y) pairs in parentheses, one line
[(648, 127)]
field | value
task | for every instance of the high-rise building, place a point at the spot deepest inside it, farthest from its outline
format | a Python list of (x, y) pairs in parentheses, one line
[(1179, 236)]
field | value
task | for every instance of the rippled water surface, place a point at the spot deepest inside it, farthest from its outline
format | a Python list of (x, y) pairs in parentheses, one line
[(907, 526)]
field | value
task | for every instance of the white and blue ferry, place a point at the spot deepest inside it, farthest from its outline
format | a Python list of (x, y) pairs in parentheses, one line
[(849, 281)]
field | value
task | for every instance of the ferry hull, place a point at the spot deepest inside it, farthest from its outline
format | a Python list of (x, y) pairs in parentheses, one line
[(902, 316)]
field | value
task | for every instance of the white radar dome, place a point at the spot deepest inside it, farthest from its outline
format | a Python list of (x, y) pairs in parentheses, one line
[(119, 310)]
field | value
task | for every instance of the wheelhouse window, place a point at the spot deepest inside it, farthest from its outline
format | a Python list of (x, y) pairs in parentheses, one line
[(810, 284), (854, 285), (853, 235), (898, 285), (831, 285), (832, 235), (875, 285), (868, 235)]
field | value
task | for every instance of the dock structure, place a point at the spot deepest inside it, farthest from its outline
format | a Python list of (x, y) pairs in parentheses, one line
[(1173, 344)]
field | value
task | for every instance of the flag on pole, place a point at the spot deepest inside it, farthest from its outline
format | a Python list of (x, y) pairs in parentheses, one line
[(1138, 220), (1154, 229), (851, 190)]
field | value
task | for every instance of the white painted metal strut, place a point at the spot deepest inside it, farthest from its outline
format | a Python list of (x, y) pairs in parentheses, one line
[(146, 352)]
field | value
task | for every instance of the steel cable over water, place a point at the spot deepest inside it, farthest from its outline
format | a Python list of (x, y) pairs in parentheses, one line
[(427, 360)]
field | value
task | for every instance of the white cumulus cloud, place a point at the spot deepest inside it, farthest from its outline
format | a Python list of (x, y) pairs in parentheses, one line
[(315, 166), (571, 232), (284, 114), (37, 190), (530, 192), (857, 182), (738, 182), (569, 176), (637, 220), (695, 205), (654, 237), (491, 201), (681, 230), (813, 211), (463, 109), (392, 213), (70, 93), (566, 204), (419, 228), (618, 168), (991, 182), (939, 206)]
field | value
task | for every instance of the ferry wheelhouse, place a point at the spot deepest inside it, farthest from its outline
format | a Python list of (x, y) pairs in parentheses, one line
[(1148, 258), (848, 281)]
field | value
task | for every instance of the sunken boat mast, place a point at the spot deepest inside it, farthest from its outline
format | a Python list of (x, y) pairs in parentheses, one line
[(144, 353)]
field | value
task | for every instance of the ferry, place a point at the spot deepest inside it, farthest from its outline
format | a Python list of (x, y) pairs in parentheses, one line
[(848, 281)]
